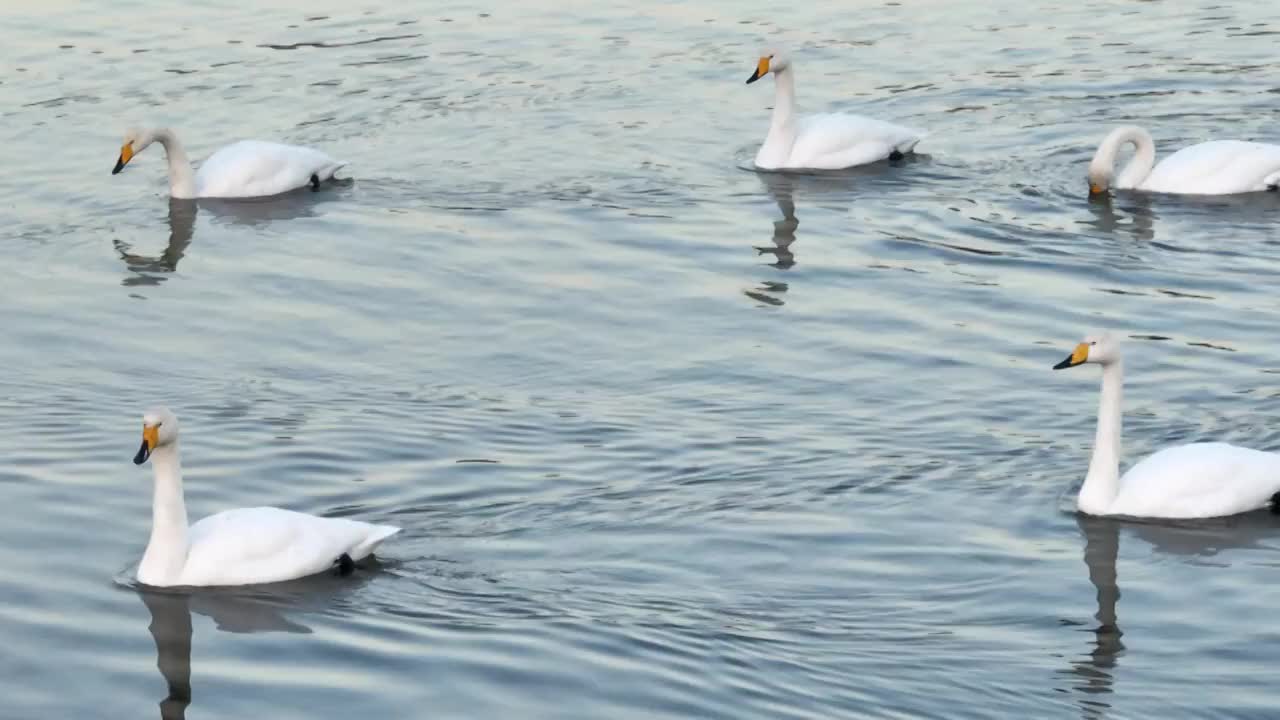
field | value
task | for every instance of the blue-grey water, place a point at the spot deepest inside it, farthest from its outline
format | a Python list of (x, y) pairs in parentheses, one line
[(667, 438)]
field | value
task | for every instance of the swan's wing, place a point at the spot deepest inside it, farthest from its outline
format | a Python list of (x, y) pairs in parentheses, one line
[(253, 168), (264, 544), (1199, 480), (1217, 168), (834, 141)]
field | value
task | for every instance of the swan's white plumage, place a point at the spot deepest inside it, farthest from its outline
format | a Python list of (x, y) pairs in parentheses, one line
[(1199, 480), (244, 169), (235, 547), (1218, 167), (254, 168), (828, 141)]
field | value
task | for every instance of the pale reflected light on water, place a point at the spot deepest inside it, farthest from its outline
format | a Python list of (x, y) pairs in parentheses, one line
[(668, 438)]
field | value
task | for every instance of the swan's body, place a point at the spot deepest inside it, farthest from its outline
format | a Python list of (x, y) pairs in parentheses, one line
[(1219, 167), (822, 142), (1198, 480), (249, 168), (236, 547)]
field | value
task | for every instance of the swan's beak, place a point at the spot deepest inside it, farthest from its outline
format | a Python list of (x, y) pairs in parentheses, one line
[(1096, 189), (126, 154), (1077, 357), (150, 435), (762, 69)]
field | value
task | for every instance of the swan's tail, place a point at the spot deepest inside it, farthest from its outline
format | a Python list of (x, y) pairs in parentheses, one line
[(377, 534)]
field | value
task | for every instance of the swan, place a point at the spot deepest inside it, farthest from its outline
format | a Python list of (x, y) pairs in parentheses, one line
[(236, 547), (830, 141), (1199, 480), (249, 168), (1219, 167)]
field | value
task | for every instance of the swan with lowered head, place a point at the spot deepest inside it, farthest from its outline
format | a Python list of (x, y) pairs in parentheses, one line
[(1198, 480), (245, 169), (829, 141), (236, 547), (1218, 167)]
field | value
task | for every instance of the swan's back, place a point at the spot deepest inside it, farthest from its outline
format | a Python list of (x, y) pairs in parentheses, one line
[(1199, 480), (830, 141), (255, 168), (266, 544), (1216, 168)]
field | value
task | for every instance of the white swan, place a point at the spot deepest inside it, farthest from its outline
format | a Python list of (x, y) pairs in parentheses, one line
[(1198, 480), (822, 142), (1219, 167), (236, 547), (249, 168)]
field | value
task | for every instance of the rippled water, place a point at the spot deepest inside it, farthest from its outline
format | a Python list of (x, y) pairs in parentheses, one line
[(668, 438)]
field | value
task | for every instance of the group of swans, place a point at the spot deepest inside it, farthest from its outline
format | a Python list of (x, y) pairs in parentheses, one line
[(829, 141), (264, 544), (836, 141)]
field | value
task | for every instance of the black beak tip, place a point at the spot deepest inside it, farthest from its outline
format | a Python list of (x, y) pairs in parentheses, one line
[(754, 77), (144, 452), (119, 166), (1063, 365)]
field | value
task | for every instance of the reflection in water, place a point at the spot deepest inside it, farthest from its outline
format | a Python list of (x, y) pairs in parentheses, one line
[(781, 188), (1136, 219), (171, 629), (151, 270), (257, 212), (253, 609), (1093, 675)]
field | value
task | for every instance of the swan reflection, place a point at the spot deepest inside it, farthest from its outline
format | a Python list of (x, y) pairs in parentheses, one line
[(254, 609), (1196, 542), (153, 269)]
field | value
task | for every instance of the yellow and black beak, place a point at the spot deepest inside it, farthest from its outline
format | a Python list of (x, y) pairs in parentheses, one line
[(1095, 189), (762, 69), (150, 436), (1077, 357), (126, 154)]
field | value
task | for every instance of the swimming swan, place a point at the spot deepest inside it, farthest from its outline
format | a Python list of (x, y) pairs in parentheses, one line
[(1219, 167), (249, 168), (236, 547), (1199, 480), (822, 142)]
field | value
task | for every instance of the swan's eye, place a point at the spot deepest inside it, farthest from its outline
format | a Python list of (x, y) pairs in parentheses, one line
[(1095, 342)]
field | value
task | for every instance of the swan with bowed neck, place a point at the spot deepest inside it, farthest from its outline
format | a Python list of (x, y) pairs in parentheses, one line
[(1219, 167), (249, 168), (236, 547), (1199, 480), (829, 141)]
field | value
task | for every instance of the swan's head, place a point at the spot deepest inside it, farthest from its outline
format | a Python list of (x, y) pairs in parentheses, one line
[(159, 429), (1100, 176), (135, 141), (771, 61), (1102, 348)]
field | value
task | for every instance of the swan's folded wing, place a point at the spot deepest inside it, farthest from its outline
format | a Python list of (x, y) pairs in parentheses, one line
[(832, 141), (253, 168), (1216, 168), (264, 544), (1199, 480)]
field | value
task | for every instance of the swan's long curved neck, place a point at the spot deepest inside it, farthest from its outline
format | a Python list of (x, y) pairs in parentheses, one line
[(1139, 167), (782, 126), (166, 552), (1102, 483), (182, 179)]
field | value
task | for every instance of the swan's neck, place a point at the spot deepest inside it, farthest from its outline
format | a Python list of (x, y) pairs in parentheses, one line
[(1103, 481), (1138, 168), (166, 553), (782, 128), (182, 179)]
